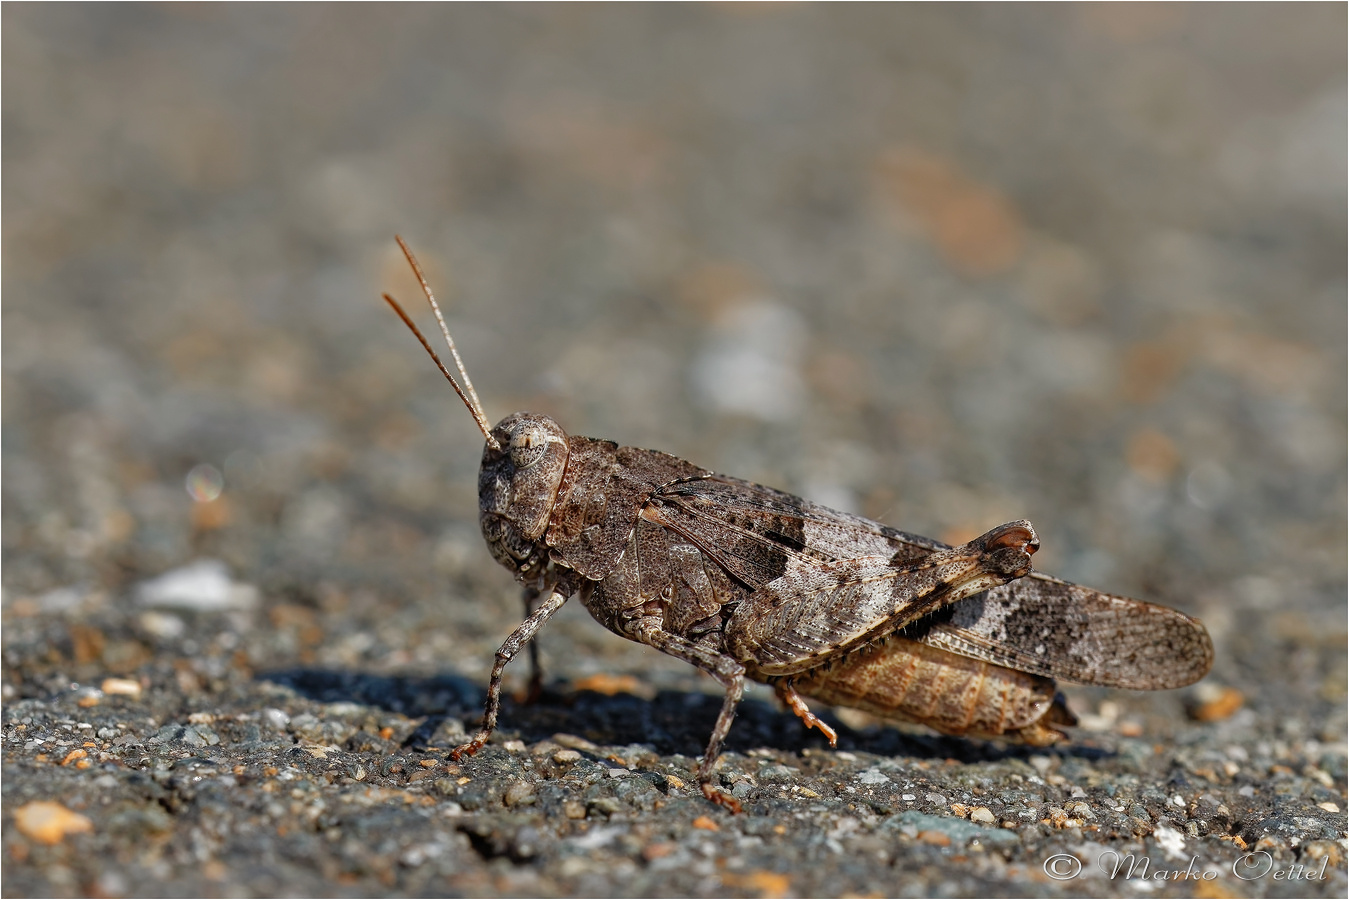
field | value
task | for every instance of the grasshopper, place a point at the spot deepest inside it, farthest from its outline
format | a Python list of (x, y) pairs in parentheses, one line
[(744, 581)]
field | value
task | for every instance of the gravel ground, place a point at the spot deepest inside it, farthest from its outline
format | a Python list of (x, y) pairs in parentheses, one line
[(944, 266)]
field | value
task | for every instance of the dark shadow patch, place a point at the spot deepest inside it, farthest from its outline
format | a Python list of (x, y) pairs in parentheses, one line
[(412, 696), (671, 721)]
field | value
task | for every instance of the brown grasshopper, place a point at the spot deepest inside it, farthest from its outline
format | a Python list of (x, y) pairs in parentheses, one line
[(744, 581)]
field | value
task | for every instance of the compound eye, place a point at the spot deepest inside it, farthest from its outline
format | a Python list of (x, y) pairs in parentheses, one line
[(527, 446)]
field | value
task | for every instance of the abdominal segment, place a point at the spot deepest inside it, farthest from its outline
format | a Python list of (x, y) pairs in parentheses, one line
[(956, 695)]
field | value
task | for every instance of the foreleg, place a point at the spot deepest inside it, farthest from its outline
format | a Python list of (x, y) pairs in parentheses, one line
[(528, 628)]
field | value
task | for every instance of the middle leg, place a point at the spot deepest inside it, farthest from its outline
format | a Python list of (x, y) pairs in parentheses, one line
[(730, 675), (534, 687)]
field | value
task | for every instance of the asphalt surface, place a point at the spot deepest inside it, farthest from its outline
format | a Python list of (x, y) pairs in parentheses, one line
[(943, 266)]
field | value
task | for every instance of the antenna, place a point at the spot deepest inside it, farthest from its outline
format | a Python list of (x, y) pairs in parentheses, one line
[(471, 398)]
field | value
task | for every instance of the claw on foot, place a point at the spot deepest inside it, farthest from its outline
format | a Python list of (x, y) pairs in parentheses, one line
[(723, 800), (788, 695), (468, 749)]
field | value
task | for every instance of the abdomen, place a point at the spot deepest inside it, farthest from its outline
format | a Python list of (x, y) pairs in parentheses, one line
[(956, 695)]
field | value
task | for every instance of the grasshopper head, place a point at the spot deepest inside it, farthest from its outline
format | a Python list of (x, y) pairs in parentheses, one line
[(522, 464), (517, 486)]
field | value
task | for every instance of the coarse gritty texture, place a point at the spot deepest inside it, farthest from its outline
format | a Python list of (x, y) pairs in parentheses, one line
[(942, 266)]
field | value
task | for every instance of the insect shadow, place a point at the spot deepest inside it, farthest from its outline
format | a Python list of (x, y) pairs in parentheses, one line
[(671, 721)]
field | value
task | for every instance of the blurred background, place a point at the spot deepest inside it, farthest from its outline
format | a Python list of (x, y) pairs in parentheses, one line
[(941, 265)]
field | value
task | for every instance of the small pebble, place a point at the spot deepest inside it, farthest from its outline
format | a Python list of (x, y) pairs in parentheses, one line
[(1217, 703), (121, 686), (204, 585), (519, 793), (658, 850), (49, 823), (609, 685), (577, 743), (983, 815)]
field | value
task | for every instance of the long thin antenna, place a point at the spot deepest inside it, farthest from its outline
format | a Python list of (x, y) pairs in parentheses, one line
[(444, 329), (474, 404)]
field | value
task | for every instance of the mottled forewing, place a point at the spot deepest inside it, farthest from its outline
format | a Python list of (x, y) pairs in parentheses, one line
[(758, 534), (803, 619), (1050, 627), (820, 581), (1036, 624), (811, 616)]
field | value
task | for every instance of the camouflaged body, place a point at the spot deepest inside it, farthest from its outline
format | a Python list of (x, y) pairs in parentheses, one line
[(848, 610)]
